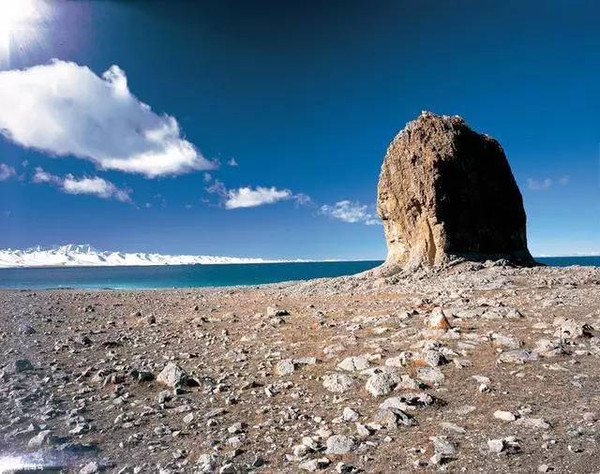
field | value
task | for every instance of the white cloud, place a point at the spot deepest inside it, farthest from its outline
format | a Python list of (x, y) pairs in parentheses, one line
[(248, 197), (6, 172), (65, 109), (253, 197), (535, 185), (94, 185), (232, 162), (351, 212)]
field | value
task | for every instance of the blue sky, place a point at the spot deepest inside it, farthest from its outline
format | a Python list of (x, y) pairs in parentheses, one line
[(305, 97)]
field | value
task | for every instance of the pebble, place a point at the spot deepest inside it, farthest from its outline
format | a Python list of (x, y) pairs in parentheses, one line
[(504, 415)]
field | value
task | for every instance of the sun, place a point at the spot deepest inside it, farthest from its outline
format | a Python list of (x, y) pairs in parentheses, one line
[(16, 11), (19, 20)]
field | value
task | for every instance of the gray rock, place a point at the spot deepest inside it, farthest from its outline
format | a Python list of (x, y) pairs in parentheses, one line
[(43, 438), (381, 384), (353, 364), (285, 367), (340, 444), (338, 383), (535, 423), (172, 375), (508, 445), (517, 356), (504, 415), (315, 464), (90, 468), (393, 417), (362, 430), (444, 449), (431, 375), (22, 365), (273, 312), (350, 415)]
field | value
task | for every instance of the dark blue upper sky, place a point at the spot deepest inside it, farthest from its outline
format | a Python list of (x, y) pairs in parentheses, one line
[(306, 96)]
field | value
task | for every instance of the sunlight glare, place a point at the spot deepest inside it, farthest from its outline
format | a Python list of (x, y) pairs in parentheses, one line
[(18, 20)]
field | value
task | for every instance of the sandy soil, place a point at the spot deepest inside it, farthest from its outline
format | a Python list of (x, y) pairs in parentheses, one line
[(341, 375)]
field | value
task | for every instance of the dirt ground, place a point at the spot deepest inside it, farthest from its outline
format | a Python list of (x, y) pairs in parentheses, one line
[(481, 368)]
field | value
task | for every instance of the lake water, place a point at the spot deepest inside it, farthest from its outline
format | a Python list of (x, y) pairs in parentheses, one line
[(190, 276)]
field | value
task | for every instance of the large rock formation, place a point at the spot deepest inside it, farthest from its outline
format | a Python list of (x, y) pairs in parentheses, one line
[(448, 192)]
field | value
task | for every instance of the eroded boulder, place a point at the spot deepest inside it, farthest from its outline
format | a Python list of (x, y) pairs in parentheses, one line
[(446, 192)]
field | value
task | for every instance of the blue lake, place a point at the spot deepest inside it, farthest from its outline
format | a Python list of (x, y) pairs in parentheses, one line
[(191, 276)]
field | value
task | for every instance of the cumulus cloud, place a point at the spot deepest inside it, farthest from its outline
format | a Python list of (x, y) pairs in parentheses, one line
[(539, 185), (248, 197), (6, 172), (94, 185), (351, 212), (65, 109)]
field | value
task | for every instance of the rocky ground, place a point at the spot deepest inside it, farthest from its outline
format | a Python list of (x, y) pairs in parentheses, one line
[(480, 368)]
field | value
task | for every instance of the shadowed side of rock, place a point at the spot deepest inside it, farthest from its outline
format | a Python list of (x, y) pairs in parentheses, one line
[(447, 192)]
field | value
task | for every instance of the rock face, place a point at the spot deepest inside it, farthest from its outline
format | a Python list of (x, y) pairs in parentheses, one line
[(446, 191)]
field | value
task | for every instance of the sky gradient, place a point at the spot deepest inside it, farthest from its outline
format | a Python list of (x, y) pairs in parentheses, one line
[(287, 108)]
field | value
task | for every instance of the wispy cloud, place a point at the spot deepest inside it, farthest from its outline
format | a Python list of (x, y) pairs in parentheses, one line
[(6, 172), (63, 109), (546, 183), (94, 185), (232, 162), (539, 185), (350, 211)]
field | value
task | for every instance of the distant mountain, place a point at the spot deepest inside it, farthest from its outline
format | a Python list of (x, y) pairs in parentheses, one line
[(84, 255)]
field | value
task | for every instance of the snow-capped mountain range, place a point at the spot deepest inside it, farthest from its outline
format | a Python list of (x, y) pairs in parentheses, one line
[(85, 255)]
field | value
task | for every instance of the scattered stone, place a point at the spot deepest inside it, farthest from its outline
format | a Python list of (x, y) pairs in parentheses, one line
[(22, 365), (508, 445), (172, 376), (362, 430), (285, 367), (444, 449), (315, 464), (90, 468), (353, 364), (393, 417), (43, 438), (504, 415), (438, 320), (535, 423), (517, 356), (338, 383), (340, 444), (350, 414), (431, 375), (273, 312)]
